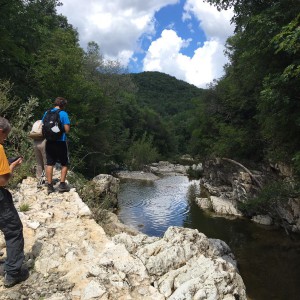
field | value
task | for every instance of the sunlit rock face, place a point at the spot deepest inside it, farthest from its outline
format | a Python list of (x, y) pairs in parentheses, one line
[(71, 257)]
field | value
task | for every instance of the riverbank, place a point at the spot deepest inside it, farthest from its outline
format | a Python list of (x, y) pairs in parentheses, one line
[(71, 257)]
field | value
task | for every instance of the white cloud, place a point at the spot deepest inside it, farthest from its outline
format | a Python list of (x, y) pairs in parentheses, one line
[(207, 63), (164, 55), (116, 25), (215, 24)]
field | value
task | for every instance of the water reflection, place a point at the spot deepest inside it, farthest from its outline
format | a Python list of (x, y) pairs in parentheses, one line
[(268, 260), (153, 207)]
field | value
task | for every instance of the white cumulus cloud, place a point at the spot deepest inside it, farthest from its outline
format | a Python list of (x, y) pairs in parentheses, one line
[(116, 25), (215, 24), (164, 54)]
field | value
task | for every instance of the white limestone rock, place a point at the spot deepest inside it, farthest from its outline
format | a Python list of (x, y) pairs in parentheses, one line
[(185, 264), (137, 175), (262, 219), (203, 203), (107, 183), (224, 206)]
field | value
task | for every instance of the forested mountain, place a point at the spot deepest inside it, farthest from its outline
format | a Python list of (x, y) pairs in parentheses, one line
[(164, 93), (173, 101)]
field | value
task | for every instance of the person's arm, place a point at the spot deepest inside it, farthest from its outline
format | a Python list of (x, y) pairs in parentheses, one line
[(67, 128), (64, 117), (4, 178)]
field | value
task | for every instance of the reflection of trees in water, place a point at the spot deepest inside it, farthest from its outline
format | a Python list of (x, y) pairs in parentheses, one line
[(235, 233), (263, 253), (193, 192)]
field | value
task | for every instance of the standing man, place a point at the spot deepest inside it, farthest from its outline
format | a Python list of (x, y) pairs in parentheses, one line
[(10, 223), (56, 144)]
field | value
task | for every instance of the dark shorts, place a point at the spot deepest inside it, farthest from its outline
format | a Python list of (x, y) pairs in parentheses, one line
[(57, 152)]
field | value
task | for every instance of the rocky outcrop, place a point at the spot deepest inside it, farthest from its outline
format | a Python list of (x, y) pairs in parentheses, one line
[(224, 185), (137, 175), (71, 257), (167, 168), (219, 205), (107, 186)]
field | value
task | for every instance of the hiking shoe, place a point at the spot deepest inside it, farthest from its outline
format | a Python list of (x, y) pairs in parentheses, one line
[(2, 272), (50, 189), (63, 187), (10, 281)]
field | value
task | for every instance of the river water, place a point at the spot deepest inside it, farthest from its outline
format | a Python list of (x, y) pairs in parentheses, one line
[(268, 259)]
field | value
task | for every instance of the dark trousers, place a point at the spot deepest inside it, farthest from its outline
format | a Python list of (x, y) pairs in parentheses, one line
[(12, 228)]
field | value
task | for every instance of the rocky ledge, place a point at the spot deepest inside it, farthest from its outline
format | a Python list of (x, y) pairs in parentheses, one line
[(71, 257), (137, 175)]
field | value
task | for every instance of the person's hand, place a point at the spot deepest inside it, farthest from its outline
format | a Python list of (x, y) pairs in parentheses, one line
[(16, 163)]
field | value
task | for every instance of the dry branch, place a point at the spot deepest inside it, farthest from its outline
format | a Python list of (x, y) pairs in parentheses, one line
[(245, 169)]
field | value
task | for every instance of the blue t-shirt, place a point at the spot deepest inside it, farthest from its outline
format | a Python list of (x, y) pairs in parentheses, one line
[(64, 118)]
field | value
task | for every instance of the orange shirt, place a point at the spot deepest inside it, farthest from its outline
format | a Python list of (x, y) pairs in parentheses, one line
[(4, 166)]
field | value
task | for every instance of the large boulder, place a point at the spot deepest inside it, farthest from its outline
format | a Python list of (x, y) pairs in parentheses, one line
[(107, 186)]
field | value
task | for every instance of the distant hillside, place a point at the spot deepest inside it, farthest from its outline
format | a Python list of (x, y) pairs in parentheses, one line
[(164, 93)]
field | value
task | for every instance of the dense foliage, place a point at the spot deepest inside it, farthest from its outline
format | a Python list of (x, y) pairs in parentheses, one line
[(251, 113)]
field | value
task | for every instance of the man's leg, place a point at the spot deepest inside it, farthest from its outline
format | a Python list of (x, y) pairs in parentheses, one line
[(64, 160), (49, 174), (39, 159), (63, 173), (51, 159), (12, 228), (43, 152)]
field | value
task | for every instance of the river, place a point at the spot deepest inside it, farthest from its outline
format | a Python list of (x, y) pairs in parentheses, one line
[(268, 259)]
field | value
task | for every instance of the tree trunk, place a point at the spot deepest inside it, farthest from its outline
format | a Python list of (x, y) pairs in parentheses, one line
[(245, 169)]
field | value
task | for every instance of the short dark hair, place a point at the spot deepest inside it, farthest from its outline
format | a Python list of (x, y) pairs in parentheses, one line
[(4, 125), (60, 101)]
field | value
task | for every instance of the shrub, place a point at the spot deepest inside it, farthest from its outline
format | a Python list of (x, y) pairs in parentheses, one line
[(20, 116), (194, 173), (141, 152), (270, 197), (296, 162), (24, 207)]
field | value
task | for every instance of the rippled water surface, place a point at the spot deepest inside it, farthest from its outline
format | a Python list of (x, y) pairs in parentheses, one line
[(152, 207), (268, 260)]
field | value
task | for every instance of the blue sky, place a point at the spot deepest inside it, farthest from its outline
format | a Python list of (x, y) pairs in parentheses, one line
[(170, 17), (182, 38)]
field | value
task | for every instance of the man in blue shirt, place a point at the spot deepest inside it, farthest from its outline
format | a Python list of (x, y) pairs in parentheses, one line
[(57, 151)]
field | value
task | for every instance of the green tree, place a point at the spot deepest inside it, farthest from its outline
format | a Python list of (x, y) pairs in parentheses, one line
[(258, 95), (141, 152)]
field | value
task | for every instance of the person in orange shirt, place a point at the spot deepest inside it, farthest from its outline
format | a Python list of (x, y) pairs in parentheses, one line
[(10, 223)]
